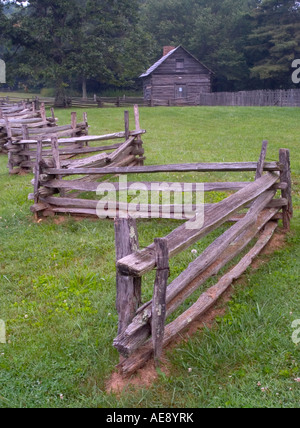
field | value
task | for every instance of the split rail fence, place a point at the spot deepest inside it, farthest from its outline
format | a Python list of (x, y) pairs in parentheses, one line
[(16, 119), (22, 140), (142, 331), (58, 192), (254, 209)]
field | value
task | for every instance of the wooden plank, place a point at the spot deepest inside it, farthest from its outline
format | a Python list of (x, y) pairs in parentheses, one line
[(37, 171), (198, 167), (74, 122), (77, 150), (205, 302), (39, 207), (208, 187), (209, 256), (159, 297), (137, 117), (206, 265), (95, 161), (285, 177), (262, 159), (116, 154), (128, 289), (126, 121), (187, 234), (56, 159), (87, 138), (43, 131)]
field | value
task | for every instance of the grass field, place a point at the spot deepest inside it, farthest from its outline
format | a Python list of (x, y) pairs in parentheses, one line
[(57, 283)]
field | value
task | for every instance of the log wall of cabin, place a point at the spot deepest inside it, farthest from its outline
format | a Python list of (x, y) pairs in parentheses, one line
[(179, 69)]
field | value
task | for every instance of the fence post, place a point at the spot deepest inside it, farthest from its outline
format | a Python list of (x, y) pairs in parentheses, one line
[(261, 162), (52, 114), (285, 177), (25, 136), (138, 141), (126, 120), (74, 123), (9, 139), (56, 159), (37, 172), (159, 297), (128, 288), (43, 112)]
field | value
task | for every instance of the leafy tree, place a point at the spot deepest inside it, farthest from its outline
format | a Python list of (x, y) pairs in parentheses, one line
[(66, 40), (108, 43), (9, 37), (274, 42)]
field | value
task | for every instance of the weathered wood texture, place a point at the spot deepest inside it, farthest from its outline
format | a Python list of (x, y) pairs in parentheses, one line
[(250, 206), (206, 265), (205, 302), (199, 167), (285, 177), (159, 297), (134, 343), (63, 159), (262, 159), (128, 289), (23, 151), (142, 262), (177, 78), (20, 121)]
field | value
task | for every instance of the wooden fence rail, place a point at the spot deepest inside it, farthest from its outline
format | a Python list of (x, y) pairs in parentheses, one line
[(146, 334), (19, 119), (23, 136), (54, 165), (254, 209)]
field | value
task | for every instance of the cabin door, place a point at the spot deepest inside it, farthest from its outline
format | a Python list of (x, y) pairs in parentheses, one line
[(180, 91)]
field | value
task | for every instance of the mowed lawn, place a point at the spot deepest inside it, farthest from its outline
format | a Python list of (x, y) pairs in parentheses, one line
[(57, 282)]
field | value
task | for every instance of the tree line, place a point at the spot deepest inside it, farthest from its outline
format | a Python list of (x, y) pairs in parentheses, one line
[(99, 44)]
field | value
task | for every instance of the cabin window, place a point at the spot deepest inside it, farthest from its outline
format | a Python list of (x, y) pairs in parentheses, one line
[(180, 91), (179, 64)]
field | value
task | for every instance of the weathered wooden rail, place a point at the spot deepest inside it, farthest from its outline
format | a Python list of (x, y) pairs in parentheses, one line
[(142, 331), (15, 120), (252, 209), (53, 155), (22, 139)]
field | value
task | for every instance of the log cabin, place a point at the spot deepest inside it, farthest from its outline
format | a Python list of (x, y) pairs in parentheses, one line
[(178, 78)]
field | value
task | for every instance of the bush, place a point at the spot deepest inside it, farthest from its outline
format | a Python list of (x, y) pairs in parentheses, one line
[(47, 92)]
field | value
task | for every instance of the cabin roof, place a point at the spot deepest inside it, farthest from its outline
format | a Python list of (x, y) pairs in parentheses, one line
[(163, 59)]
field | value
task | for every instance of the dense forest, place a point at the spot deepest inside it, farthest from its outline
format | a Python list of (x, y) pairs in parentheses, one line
[(92, 45)]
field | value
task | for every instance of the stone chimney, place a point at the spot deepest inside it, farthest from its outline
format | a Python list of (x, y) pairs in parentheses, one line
[(167, 49)]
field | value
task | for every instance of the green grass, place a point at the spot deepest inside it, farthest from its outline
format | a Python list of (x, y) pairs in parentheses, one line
[(58, 283), (19, 94)]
